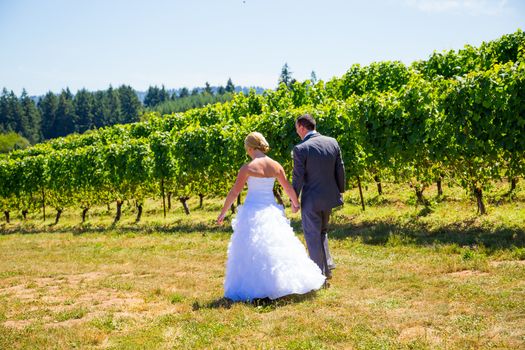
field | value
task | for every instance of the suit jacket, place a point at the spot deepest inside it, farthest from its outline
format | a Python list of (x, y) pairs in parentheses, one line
[(318, 173)]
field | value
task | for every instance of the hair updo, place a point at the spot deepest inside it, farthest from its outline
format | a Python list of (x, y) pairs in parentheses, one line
[(255, 140)]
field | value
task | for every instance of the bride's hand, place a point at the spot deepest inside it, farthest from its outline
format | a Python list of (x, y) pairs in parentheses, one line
[(220, 219), (295, 209)]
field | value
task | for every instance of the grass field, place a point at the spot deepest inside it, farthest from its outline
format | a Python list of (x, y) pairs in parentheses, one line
[(407, 277)]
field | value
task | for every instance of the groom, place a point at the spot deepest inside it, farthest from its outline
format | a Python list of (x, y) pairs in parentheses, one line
[(318, 172)]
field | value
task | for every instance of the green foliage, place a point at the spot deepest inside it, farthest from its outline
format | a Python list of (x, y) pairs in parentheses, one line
[(458, 114), (377, 77), (12, 141), (449, 64)]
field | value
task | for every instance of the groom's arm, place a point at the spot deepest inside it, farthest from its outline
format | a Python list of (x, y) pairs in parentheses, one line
[(299, 163)]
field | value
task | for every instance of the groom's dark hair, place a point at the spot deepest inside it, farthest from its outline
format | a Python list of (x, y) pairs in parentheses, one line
[(307, 121)]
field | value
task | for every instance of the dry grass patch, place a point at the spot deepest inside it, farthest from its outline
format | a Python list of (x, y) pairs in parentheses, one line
[(468, 273)]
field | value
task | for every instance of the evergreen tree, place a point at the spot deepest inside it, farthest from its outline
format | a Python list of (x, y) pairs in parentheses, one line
[(129, 104), (313, 78), (113, 103), (66, 119), (32, 118), (83, 102), (152, 97), (163, 95), (16, 120), (229, 86), (286, 75), (184, 92), (100, 109), (48, 108), (4, 114), (194, 91), (207, 89), (155, 96), (221, 90)]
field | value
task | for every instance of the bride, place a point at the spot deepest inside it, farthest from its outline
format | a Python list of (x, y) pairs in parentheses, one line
[(265, 259)]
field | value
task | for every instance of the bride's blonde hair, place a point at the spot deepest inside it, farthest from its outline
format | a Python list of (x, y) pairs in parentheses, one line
[(256, 140)]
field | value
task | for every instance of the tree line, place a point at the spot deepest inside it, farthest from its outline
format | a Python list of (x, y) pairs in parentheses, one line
[(60, 115), (56, 115)]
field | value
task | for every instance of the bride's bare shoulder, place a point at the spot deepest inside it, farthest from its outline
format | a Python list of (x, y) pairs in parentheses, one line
[(275, 164), (273, 167), (252, 167), (245, 169), (263, 167)]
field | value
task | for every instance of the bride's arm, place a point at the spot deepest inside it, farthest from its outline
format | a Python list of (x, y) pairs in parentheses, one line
[(242, 176), (281, 177)]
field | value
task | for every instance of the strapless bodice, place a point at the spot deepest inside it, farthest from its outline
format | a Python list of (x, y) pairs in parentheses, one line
[(260, 190)]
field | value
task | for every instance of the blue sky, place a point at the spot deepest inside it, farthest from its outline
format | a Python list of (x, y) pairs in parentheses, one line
[(47, 45)]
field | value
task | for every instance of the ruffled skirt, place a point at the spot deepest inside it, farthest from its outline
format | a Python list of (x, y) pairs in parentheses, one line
[(265, 258)]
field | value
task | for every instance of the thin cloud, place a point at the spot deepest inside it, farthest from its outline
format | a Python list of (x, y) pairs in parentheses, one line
[(471, 7)]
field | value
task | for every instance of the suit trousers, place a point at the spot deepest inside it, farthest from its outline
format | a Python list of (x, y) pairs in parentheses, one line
[(315, 227)]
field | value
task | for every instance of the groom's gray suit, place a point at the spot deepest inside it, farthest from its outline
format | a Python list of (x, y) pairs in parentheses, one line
[(319, 176)]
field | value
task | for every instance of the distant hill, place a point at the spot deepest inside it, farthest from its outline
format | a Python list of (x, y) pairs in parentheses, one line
[(142, 94), (259, 90)]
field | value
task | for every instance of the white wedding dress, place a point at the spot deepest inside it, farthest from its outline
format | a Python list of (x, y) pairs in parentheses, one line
[(265, 259)]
